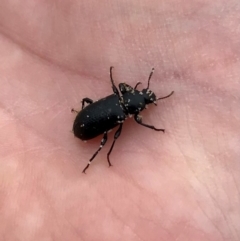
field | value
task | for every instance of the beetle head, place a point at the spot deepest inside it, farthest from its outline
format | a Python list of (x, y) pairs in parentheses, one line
[(149, 96)]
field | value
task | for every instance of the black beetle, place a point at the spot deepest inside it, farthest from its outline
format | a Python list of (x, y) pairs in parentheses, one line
[(103, 115)]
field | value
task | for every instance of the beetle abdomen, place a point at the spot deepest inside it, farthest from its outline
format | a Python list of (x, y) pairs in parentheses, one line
[(98, 117)]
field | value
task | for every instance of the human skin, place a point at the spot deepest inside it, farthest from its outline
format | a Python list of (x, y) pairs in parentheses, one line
[(181, 185)]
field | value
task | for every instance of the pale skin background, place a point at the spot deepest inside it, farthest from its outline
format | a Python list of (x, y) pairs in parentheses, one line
[(181, 185)]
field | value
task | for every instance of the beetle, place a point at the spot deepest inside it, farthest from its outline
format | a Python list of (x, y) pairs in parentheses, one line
[(103, 115)]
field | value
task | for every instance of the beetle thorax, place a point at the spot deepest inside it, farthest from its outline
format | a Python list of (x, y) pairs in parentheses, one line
[(134, 100)]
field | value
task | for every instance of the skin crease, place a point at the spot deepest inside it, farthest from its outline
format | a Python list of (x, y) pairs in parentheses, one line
[(181, 185)]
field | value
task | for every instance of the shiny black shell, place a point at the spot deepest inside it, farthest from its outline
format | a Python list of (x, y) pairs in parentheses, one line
[(99, 117)]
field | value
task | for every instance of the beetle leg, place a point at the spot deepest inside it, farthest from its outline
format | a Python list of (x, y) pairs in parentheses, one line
[(114, 87), (116, 135), (86, 100), (138, 83), (74, 111), (138, 119), (103, 142)]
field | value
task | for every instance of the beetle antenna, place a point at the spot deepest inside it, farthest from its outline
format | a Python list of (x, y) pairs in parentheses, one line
[(150, 77), (166, 96)]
